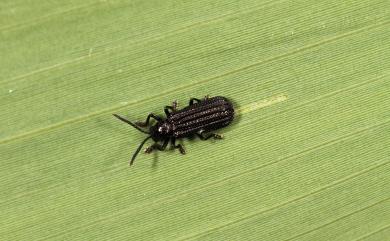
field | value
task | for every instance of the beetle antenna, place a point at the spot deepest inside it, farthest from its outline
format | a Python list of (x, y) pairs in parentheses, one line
[(130, 123), (138, 149)]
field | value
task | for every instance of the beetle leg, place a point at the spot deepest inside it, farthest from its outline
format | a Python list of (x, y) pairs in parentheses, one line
[(157, 146), (166, 110), (172, 108), (179, 146), (174, 105), (192, 100), (204, 136), (146, 123)]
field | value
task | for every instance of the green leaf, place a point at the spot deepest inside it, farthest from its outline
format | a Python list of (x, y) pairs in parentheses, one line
[(306, 159)]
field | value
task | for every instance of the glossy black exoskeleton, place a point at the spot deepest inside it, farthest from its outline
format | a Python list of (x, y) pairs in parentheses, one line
[(200, 118)]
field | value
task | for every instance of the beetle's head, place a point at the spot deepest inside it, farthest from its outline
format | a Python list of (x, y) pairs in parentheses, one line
[(160, 131)]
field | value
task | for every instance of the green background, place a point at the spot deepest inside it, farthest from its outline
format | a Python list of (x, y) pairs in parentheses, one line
[(307, 158)]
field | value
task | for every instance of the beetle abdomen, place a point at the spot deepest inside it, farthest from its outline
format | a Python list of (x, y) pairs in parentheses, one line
[(208, 115)]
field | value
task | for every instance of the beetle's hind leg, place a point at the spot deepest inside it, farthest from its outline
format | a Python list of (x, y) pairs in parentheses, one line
[(157, 146), (173, 108), (204, 136), (178, 146), (146, 123)]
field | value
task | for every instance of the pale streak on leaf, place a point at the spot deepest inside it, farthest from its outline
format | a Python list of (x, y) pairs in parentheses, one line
[(262, 103)]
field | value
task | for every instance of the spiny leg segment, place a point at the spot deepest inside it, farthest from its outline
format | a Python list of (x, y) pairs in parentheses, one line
[(173, 108)]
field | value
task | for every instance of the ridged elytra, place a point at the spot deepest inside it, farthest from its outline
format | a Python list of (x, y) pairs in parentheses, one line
[(201, 117)]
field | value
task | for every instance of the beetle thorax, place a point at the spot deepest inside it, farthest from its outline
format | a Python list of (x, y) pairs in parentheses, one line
[(165, 128)]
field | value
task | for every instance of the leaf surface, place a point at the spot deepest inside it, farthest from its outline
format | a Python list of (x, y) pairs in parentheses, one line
[(306, 159)]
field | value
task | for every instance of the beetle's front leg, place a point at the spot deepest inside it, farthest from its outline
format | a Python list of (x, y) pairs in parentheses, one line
[(146, 123), (179, 146), (157, 146), (173, 108)]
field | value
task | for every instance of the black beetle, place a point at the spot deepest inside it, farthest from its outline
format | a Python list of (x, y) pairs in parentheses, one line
[(199, 118)]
